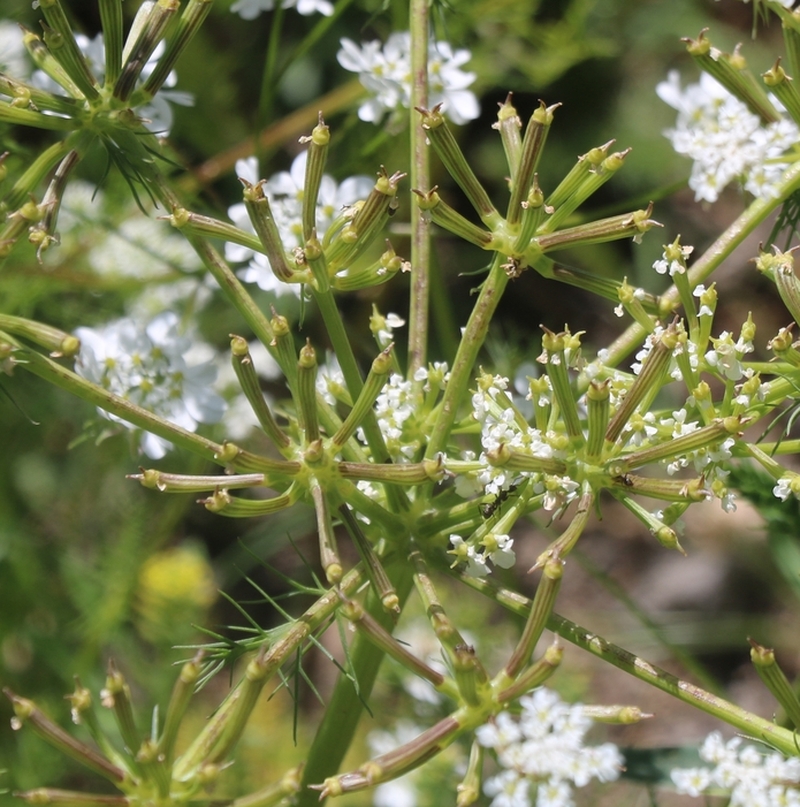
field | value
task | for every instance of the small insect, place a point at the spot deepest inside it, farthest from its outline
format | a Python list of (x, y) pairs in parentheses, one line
[(490, 508), (625, 479)]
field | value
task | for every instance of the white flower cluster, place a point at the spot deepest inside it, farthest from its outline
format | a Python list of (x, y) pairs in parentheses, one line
[(250, 9), (400, 407), (752, 777), (725, 140), (673, 260), (397, 403), (503, 425), (495, 548), (386, 73), (285, 193), (543, 752), (150, 367), (727, 356)]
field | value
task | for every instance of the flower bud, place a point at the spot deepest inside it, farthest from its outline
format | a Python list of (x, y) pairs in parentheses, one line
[(772, 675), (441, 213), (541, 608), (366, 398), (648, 382), (535, 675), (263, 221), (509, 125), (306, 392), (52, 339), (619, 715), (26, 711), (783, 87), (315, 167)]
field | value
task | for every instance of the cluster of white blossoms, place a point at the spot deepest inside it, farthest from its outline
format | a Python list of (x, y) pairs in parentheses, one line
[(502, 424), (495, 548), (753, 777), (250, 9), (385, 71), (400, 408), (725, 139), (284, 191), (543, 755), (153, 368)]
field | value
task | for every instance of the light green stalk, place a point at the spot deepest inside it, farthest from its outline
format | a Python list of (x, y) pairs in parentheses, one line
[(748, 723), (711, 259), (471, 343), (419, 13)]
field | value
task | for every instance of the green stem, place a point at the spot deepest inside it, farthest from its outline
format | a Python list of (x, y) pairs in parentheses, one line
[(64, 378), (748, 723), (419, 13), (338, 726), (352, 376), (710, 260), (472, 341), (269, 81)]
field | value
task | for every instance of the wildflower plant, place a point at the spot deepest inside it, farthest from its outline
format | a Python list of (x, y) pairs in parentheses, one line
[(424, 467)]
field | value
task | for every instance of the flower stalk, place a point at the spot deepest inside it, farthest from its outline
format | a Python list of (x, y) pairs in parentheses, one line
[(553, 571), (532, 147), (26, 711), (381, 584), (449, 152), (775, 679), (534, 676)]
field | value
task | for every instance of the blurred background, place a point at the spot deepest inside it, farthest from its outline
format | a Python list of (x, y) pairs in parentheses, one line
[(94, 567)]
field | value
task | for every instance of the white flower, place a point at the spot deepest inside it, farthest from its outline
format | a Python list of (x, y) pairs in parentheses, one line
[(396, 405), (386, 74), (725, 140), (463, 551), (673, 260), (509, 789), (149, 367), (751, 776), (285, 193), (250, 9), (787, 486), (544, 746), (692, 781), (498, 550), (727, 355), (330, 382)]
